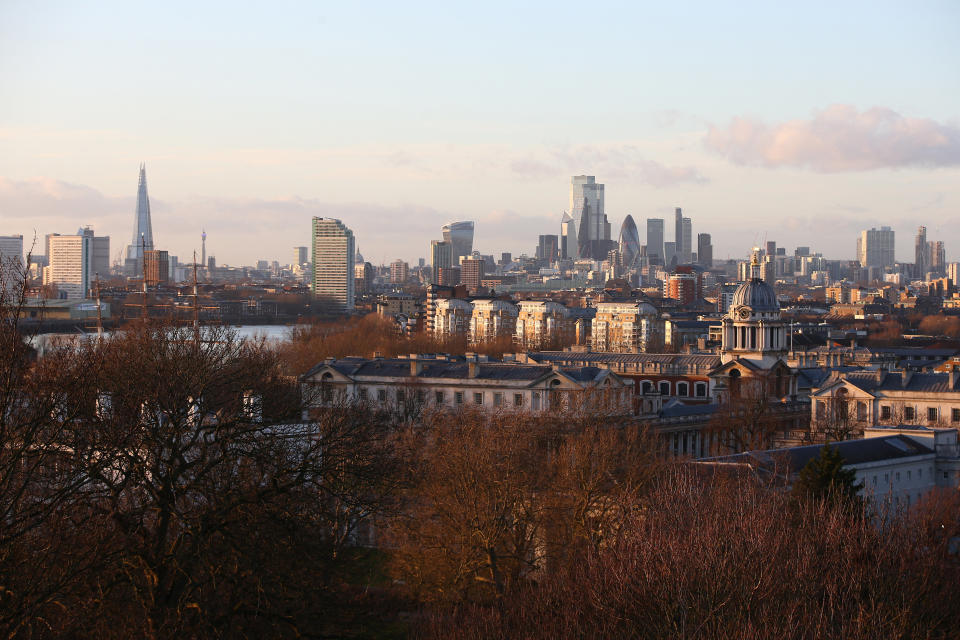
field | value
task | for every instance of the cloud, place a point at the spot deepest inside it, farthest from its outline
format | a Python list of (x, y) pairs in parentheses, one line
[(839, 138), (46, 197), (613, 162)]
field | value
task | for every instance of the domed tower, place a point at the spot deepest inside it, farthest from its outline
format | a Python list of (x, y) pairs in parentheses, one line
[(752, 328)]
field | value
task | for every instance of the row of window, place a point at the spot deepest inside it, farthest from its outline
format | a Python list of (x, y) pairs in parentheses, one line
[(910, 413), (439, 397), (683, 388)]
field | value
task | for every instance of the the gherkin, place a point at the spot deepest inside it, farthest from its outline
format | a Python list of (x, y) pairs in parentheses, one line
[(629, 243)]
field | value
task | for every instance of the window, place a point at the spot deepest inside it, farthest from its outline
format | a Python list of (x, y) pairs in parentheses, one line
[(362, 394), (920, 473), (909, 473), (381, 395), (664, 388), (421, 396), (874, 480), (498, 399), (438, 397), (646, 386), (400, 395), (518, 399), (885, 412), (886, 478), (932, 414), (898, 476), (700, 390), (955, 415), (478, 398), (682, 389), (908, 413), (861, 410), (458, 397)]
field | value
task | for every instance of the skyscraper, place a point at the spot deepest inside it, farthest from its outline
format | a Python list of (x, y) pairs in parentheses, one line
[(629, 243), (678, 234), (590, 221), (548, 248), (399, 272), (471, 273), (922, 254), (333, 273), (70, 267), (300, 256), (704, 250), (875, 247), (655, 252), (441, 257), (568, 237), (460, 237), (11, 263), (142, 227), (156, 267), (685, 252), (938, 257)]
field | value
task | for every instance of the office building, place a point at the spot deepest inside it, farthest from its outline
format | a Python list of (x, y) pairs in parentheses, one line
[(921, 263), (875, 248), (548, 248), (362, 277), (655, 249), (70, 265), (441, 257), (11, 263), (156, 267), (568, 237), (300, 256), (938, 258), (460, 237), (333, 268), (590, 221), (670, 254), (685, 253), (471, 273), (704, 250), (142, 228), (399, 272), (629, 243)]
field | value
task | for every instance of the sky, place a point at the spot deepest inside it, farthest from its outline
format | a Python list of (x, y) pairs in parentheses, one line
[(801, 122)]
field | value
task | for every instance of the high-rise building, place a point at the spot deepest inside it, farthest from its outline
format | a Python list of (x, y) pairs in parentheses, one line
[(922, 254), (70, 267), (11, 263), (590, 221), (333, 272), (441, 257), (655, 249), (548, 248), (629, 243), (471, 273), (875, 247), (156, 267), (506, 258), (670, 254), (704, 250), (362, 277), (684, 284), (300, 256), (399, 272), (460, 237), (685, 252), (771, 248), (938, 257), (142, 228), (568, 237)]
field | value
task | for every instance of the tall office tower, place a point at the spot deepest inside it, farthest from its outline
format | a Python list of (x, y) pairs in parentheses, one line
[(548, 248), (100, 253), (11, 264), (568, 237), (156, 267), (590, 221), (399, 272), (629, 243), (362, 276), (953, 270), (801, 251), (704, 250), (922, 254), (938, 257), (70, 265), (655, 252), (875, 247), (771, 248), (460, 237), (471, 273), (686, 236), (506, 258), (441, 257), (333, 272), (678, 234), (670, 254), (300, 256), (142, 227)]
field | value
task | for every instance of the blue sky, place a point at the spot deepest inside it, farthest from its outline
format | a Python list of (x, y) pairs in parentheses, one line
[(799, 122)]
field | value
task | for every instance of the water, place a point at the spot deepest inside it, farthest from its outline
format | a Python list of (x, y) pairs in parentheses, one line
[(273, 333)]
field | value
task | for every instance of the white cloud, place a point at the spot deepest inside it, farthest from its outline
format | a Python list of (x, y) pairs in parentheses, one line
[(839, 138)]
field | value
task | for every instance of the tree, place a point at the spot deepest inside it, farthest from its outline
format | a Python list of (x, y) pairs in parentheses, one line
[(825, 478)]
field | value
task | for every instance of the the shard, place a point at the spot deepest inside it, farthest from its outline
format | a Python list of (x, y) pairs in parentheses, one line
[(142, 227)]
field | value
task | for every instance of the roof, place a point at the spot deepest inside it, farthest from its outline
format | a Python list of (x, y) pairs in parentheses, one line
[(702, 359), (853, 452), (896, 381), (756, 294)]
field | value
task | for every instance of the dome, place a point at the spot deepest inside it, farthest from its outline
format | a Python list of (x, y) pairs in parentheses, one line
[(756, 294)]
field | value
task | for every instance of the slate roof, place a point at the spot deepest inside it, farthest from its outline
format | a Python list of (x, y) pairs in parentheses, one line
[(853, 452), (708, 360), (454, 370), (894, 381)]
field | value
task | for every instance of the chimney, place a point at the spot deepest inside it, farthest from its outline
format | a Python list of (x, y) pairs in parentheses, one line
[(953, 377), (416, 365), (471, 365)]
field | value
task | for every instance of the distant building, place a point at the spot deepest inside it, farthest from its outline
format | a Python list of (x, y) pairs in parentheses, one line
[(362, 277), (684, 284), (301, 255), (441, 257), (629, 243), (875, 248), (399, 272), (492, 319), (921, 254), (589, 218), (626, 327), (451, 317), (655, 249), (704, 250), (156, 267), (142, 228), (471, 273), (333, 268), (11, 261), (540, 323), (460, 237), (71, 265), (548, 248)]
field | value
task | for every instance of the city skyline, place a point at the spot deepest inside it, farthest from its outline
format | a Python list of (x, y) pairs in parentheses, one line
[(238, 145)]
